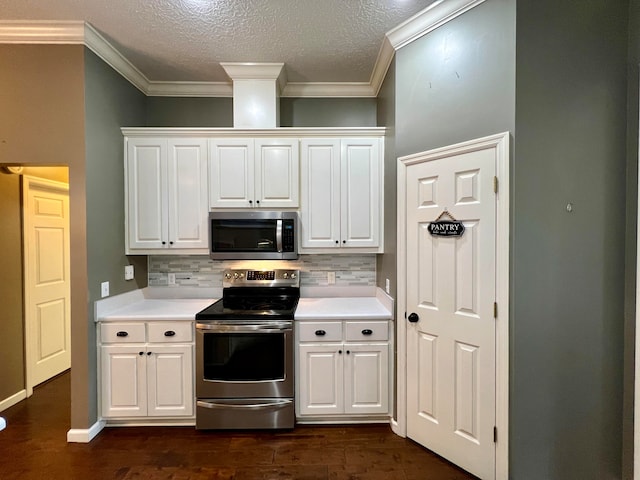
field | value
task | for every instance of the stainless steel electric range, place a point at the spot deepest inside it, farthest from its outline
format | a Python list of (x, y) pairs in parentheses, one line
[(244, 352)]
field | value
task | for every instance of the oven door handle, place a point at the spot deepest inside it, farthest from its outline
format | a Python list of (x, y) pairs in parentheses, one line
[(249, 406), (243, 328)]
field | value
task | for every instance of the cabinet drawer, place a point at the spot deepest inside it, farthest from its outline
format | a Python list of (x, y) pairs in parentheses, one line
[(320, 331), (366, 331), (122, 332), (170, 332)]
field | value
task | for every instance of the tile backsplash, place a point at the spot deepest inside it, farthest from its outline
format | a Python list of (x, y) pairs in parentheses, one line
[(201, 271)]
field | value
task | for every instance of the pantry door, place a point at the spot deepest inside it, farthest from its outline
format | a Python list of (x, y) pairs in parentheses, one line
[(450, 304), (47, 280)]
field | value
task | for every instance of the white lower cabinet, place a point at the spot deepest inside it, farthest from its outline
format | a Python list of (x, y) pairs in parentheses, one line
[(146, 369), (343, 369)]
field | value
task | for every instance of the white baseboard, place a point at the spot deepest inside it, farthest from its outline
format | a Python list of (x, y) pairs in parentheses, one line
[(395, 428), (85, 435), (12, 400)]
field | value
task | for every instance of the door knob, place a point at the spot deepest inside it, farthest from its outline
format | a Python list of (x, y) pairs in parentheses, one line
[(413, 318)]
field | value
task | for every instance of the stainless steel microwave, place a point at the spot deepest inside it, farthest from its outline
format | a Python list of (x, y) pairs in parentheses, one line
[(253, 235)]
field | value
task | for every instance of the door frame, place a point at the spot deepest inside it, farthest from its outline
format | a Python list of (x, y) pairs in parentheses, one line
[(29, 182), (501, 144)]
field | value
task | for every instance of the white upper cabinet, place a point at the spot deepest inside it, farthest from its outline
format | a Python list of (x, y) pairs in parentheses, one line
[(341, 205), (166, 195), (254, 173)]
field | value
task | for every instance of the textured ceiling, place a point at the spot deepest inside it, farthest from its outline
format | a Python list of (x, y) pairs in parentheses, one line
[(185, 40)]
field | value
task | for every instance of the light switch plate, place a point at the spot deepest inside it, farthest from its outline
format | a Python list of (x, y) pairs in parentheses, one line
[(104, 289), (331, 278), (171, 278)]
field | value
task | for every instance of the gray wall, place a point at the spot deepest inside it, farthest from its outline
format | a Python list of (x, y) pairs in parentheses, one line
[(327, 112), (386, 111), (568, 268), (457, 82), (110, 102), (633, 80), (294, 112), (188, 112)]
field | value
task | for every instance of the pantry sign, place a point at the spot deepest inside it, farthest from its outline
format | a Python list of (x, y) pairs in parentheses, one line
[(446, 228)]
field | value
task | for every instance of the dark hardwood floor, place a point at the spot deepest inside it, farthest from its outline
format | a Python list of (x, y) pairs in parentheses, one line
[(34, 446)]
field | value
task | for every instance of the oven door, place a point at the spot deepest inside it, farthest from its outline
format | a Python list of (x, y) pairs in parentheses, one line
[(244, 360)]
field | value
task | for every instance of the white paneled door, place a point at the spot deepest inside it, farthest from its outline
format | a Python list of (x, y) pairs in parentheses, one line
[(47, 282), (451, 290)]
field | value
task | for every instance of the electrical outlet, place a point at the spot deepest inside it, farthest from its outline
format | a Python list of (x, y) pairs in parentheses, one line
[(128, 272), (104, 289), (331, 278), (387, 286), (171, 278)]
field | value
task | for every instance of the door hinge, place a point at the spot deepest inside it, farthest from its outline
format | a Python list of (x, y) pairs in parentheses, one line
[(495, 435), (495, 310), (495, 184)]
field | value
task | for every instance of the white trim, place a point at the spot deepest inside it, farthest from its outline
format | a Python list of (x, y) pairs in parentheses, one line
[(381, 67), (432, 17), (254, 132), (499, 142), (636, 394), (190, 89), (12, 400), (328, 89), (85, 435), (107, 52)]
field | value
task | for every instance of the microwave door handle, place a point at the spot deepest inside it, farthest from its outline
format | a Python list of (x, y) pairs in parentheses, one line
[(279, 235)]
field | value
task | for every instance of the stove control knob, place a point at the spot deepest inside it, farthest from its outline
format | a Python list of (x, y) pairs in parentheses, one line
[(227, 276), (241, 275), (293, 275), (285, 275), (236, 275)]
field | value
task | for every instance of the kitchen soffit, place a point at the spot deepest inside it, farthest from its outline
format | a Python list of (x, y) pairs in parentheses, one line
[(175, 47)]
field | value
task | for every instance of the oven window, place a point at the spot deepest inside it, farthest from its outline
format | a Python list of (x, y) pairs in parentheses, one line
[(243, 356), (243, 236)]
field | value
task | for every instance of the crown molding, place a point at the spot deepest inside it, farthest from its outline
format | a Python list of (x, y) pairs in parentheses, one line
[(82, 33), (432, 17), (190, 89), (328, 89)]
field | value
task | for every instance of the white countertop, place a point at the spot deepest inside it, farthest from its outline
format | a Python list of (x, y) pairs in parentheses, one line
[(158, 309), (341, 308), (139, 306)]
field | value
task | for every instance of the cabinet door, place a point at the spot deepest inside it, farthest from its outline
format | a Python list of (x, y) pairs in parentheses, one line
[(366, 378), (170, 380), (231, 171), (124, 382), (360, 193), (187, 189), (321, 380), (276, 173), (147, 221), (320, 205)]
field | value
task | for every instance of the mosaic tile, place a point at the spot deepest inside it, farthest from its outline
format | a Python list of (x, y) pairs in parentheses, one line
[(201, 271)]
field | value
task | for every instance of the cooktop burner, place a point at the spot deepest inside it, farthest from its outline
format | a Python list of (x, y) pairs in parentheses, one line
[(253, 294)]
